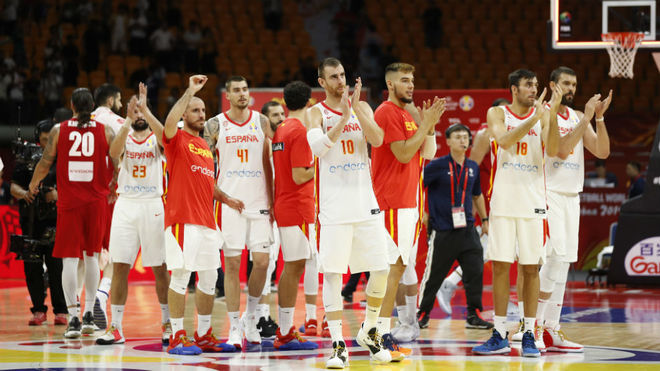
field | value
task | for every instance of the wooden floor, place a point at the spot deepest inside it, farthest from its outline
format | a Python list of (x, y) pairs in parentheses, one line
[(619, 328)]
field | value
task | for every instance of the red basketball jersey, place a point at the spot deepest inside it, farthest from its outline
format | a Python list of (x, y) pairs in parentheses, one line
[(81, 164)]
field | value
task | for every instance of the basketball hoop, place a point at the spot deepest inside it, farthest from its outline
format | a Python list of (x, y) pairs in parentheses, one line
[(622, 48)]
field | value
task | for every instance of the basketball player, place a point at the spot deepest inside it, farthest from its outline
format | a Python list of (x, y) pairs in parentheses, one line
[(108, 100), (138, 215), (191, 237), (294, 210), (480, 153), (81, 147), (518, 205), (242, 148), (275, 113), (396, 174), (350, 230), (565, 178)]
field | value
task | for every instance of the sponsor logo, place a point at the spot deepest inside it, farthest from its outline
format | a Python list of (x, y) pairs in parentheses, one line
[(139, 155), (140, 189), (375, 211), (243, 174), (264, 212), (643, 259), (520, 167), (566, 165), (539, 211), (279, 146), (199, 150), (466, 103), (531, 132), (201, 169), (241, 138), (349, 166)]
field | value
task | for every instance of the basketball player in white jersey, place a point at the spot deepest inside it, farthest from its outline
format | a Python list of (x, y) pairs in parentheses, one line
[(350, 229), (565, 179), (108, 101), (518, 205), (241, 138), (138, 218)]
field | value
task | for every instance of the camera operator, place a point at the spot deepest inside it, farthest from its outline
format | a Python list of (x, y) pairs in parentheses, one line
[(38, 219)]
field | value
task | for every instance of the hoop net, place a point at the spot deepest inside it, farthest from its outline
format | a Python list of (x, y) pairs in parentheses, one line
[(622, 48)]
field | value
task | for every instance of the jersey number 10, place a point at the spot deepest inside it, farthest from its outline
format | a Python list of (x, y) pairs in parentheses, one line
[(347, 146)]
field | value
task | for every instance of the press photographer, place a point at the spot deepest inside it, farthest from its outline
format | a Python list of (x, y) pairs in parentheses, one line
[(38, 215)]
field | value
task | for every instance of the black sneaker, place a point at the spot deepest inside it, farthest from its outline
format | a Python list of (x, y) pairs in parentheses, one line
[(348, 298), (73, 329), (423, 319), (474, 321), (267, 327), (88, 323)]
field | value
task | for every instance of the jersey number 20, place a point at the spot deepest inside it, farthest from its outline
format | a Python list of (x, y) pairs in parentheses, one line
[(83, 144)]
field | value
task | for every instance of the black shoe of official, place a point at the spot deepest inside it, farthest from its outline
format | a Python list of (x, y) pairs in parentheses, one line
[(423, 319), (267, 327), (347, 297), (475, 321)]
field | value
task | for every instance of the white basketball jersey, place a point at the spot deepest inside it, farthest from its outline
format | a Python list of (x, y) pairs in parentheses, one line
[(518, 187), (105, 116), (239, 151), (343, 175), (566, 176), (141, 169)]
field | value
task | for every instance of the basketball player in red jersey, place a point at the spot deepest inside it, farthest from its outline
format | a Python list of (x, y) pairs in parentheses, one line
[(191, 235), (83, 185)]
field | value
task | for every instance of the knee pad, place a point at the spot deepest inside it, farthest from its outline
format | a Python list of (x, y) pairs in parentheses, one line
[(311, 277), (179, 281), (553, 272), (206, 283), (332, 300), (409, 277), (377, 283)]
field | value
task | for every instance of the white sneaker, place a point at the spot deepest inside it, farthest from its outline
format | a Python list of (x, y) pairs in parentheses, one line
[(73, 329), (517, 337), (444, 296), (167, 332), (407, 332), (555, 341), (372, 342), (339, 357), (249, 324), (538, 339), (111, 336), (235, 337)]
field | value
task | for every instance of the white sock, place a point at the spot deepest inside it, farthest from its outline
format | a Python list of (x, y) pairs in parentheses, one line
[(310, 312), (335, 330), (382, 326), (286, 319), (371, 317), (164, 313), (252, 302), (529, 324), (521, 308), (540, 311), (500, 325), (234, 317), (265, 310), (455, 277), (402, 312), (177, 325), (104, 286), (203, 324), (117, 315), (552, 315), (411, 307)]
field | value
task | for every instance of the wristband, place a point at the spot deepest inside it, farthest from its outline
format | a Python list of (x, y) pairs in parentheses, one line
[(600, 119), (484, 219)]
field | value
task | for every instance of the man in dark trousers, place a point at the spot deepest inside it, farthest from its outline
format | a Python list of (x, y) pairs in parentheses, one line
[(449, 179)]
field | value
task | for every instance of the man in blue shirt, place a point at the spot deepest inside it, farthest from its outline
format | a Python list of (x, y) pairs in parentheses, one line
[(636, 182), (453, 185)]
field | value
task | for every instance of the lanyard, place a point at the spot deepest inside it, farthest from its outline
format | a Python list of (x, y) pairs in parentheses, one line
[(458, 183)]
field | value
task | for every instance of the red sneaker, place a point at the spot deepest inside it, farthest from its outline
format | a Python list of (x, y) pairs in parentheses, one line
[(292, 341), (60, 319), (37, 319), (209, 343), (325, 330), (181, 345), (310, 328)]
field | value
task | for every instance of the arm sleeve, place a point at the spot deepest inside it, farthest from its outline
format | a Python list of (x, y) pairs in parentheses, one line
[(391, 125), (319, 142), (301, 154)]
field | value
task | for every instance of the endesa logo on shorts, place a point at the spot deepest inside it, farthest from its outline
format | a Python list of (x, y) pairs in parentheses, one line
[(244, 174), (517, 166), (349, 166), (643, 259), (139, 189), (566, 165), (201, 169)]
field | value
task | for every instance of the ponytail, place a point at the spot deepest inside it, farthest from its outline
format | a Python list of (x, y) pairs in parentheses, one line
[(83, 103)]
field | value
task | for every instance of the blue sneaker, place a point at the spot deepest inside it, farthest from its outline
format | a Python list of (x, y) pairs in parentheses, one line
[(528, 345), (181, 345), (292, 341), (495, 345), (398, 353)]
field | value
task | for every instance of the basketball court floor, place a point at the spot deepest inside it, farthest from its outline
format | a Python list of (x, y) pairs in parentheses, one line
[(620, 329)]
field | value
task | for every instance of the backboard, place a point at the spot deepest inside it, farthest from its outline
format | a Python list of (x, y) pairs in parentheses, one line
[(578, 24)]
